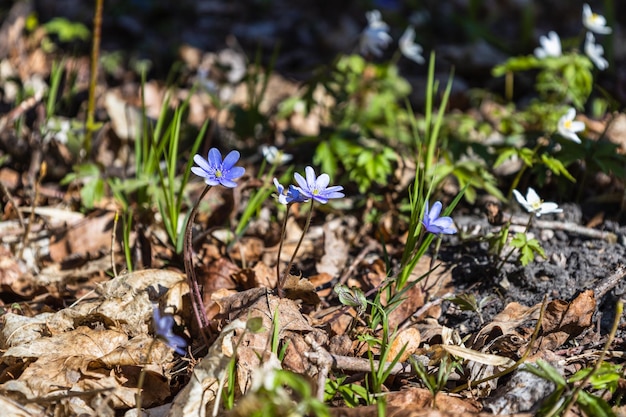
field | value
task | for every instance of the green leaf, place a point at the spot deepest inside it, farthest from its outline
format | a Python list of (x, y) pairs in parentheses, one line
[(546, 371), (91, 192), (67, 31), (556, 166), (593, 405)]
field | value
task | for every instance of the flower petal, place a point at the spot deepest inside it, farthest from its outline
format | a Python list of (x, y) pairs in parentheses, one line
[(310, 178), (230, 160), (550, 208), (301, 181), (322, 181), (532, 197), (199, 171), (201, 162), (215, 158), (236, 172), (434, 212)]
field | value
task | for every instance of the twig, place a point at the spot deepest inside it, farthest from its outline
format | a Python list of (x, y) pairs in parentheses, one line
[(567, 227), (610, 282), (11, 200), (350, 363), (325, 360)]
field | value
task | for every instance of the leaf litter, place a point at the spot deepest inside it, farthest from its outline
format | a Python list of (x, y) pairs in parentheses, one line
[(86, 358)]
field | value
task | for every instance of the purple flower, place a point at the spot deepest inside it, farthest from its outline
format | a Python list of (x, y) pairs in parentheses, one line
[(293, 195), (317, 187), (215, 171), (435, 224), (163, 328)]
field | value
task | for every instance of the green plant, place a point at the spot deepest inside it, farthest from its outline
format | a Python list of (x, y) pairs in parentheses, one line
[(151, 184), (605, 378), (363, 123), (436, 381), (564, 79), (468, 302), (418, 240), (353, 394)]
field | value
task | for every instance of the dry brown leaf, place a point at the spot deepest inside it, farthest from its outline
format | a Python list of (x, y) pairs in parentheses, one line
[(201, 390), (90, 238), (247, 250), (507, 331), (409, 338), (422, 398), (338, 234), (563, 321), (13, 276), (291, 323), (87, 347), (297, 288)]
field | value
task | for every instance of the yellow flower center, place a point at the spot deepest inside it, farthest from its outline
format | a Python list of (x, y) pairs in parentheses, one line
[(568, 124), (316, 191), (536, 205), (218, 173)]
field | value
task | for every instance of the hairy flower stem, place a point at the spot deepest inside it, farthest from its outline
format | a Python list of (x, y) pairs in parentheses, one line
[(197, 304), (281, 280)]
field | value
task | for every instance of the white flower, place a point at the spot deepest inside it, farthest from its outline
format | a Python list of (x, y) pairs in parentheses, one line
[(533, 204), (595, 52), (567, 127), (58, 128), (409, 48), (375, 36), (274, 156), (594, 22), (550, 46)]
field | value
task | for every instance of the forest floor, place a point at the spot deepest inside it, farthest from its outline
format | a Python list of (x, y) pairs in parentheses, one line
[(77, 332)]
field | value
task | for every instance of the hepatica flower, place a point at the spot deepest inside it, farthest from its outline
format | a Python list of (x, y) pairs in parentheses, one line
[(436, 224), (550, 46), (293, 194), (409, 48), (163, 328), (595, 52), (568, 127), (594, 22), (317, 188), (375, 36), (218, 172), (534, 204)]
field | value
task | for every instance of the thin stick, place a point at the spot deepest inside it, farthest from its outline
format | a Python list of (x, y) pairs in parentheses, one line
[(11, 200), (93, 76), (568, 227)]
